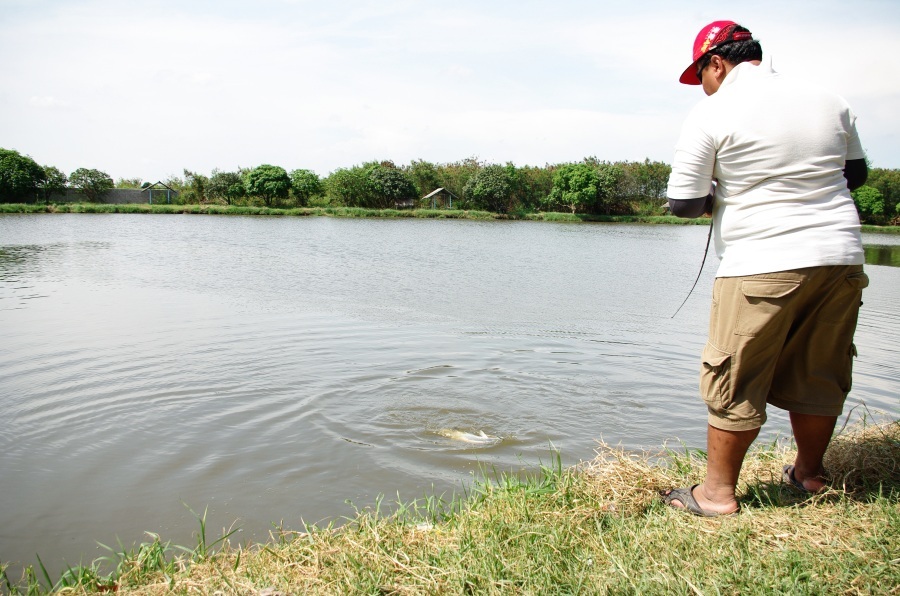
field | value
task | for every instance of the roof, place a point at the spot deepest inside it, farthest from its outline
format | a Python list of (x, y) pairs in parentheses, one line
[(163, 184), (438, 190)]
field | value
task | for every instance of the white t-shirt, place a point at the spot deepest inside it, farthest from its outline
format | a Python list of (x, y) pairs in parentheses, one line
[(776, 148)]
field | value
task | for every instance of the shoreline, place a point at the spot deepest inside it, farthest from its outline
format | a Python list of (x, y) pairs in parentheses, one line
[(358, 212), (599, 527), (348, 212)]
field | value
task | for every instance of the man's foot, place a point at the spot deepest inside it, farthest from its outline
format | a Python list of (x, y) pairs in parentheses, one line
[(811, 484), (693, 501)]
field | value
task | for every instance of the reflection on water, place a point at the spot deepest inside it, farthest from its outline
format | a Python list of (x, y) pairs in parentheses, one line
[(270, 368), (882, 255)]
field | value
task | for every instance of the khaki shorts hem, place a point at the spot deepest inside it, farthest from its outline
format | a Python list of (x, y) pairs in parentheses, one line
[(720, 423), (812, 409)]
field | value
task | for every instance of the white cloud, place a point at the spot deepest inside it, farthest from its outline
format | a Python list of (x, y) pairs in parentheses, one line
[(153, 86), (47, 101)]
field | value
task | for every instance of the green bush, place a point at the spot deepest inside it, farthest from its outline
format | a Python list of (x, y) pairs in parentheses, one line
[(870, 204)]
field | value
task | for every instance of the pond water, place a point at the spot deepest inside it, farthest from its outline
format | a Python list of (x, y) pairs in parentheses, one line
[(883, 254), (271, 369)]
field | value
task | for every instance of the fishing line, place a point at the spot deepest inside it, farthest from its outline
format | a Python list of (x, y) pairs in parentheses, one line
[(703, 262)]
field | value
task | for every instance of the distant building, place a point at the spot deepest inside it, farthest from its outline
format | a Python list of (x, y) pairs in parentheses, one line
[(114, 196), (442, 197), (159, 187), (118, 196), (405, 204)]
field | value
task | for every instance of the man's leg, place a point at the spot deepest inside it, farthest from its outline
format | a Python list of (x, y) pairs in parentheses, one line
[(725, 455), (812, 434), (815, 372)]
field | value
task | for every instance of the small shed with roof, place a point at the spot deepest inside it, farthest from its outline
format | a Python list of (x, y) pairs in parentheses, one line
[(159, 187), (442, 196)]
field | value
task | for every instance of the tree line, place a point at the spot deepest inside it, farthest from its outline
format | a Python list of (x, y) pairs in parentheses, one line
[(588, 186)]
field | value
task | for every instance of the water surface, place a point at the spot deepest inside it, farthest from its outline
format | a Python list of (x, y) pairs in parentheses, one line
[(272, 368)]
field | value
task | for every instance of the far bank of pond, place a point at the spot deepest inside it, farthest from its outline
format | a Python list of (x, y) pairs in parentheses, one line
[(361, 212), (209, 209)]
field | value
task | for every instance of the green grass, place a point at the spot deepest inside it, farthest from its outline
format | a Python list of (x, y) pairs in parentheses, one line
[(149, 562), (881, 229), (356, 212), (22, 208), (333, 211), (593, 217), (599, 528)]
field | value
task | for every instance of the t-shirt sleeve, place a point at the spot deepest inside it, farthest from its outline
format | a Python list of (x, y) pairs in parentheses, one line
[(695, 160), (854, 145)]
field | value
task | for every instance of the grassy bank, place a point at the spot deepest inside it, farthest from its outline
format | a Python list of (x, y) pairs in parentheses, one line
[(597, 528), (334, 212), (882, 229), (360, 212)]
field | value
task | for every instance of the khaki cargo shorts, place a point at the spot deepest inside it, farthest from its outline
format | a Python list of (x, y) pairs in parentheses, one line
[(782, 338)]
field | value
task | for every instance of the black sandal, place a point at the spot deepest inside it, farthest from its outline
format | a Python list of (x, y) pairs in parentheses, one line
[(685, 496)]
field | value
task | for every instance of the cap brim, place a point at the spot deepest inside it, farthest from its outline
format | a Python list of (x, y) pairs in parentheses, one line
[(689, 76)]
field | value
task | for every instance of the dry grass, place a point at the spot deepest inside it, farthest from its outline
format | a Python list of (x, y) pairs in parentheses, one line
[(859, 461)]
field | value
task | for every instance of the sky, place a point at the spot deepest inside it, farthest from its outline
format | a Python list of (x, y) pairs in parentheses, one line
[(146, 88)]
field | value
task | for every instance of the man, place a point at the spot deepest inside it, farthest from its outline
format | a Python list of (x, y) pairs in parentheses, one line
[(784, 156)]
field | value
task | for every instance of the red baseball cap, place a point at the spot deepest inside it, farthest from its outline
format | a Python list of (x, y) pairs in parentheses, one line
[(709, 38)]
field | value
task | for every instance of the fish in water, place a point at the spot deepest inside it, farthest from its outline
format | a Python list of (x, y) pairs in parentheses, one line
[(478, 439)]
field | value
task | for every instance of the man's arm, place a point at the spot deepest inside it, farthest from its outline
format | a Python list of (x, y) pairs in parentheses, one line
[(693, 169), (691, 208), (856, 172)]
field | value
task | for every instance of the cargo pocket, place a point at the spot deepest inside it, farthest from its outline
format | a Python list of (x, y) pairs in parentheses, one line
[(763, 300), (847, 299), (715, 378), (846, 376)]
